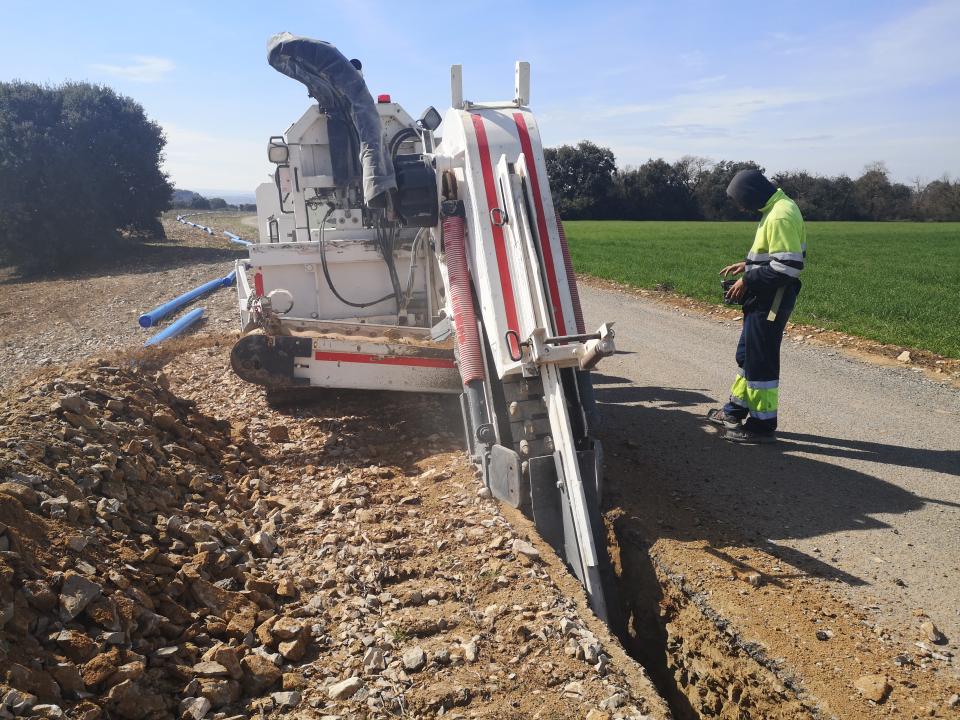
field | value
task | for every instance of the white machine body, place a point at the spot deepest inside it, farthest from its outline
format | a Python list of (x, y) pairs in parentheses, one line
[(461, 284)]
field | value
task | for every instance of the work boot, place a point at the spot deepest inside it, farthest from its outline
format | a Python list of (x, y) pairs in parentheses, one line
[(719, 416), (748, 437)]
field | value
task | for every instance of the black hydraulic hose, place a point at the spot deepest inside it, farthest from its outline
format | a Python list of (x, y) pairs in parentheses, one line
[(386, 239), (397, 140), (326, 272)]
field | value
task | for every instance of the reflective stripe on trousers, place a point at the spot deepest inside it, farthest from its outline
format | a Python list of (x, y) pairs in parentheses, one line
[(758, 397)]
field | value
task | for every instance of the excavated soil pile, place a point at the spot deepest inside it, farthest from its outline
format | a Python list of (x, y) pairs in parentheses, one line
[(195, 553)]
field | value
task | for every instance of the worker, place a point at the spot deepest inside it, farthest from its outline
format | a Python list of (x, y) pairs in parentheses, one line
[(768, 291)]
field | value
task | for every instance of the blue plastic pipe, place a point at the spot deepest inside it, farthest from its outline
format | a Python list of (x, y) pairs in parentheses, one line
[(236, 239), (176, 328), (149, 319)]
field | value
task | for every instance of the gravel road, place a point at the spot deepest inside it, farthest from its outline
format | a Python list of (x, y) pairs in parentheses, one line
[(863, 488)]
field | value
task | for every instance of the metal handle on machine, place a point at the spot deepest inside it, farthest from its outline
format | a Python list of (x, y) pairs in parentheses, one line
[(515, 336), (498, 217), (560, 339), (276, 180)]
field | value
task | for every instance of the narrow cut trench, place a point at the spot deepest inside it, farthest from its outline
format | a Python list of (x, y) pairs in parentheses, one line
[(696, 660)]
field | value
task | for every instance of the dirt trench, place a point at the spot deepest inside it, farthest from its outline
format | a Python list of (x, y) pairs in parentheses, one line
[(696, 659)]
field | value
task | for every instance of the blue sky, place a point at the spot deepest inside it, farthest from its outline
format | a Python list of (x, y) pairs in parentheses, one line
[(822, 86)]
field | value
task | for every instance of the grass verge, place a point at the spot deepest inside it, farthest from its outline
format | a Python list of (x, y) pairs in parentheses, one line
[(896, 283)]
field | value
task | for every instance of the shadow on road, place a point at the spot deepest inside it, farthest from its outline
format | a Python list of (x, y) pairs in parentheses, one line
[(662, 457), (943, 461)]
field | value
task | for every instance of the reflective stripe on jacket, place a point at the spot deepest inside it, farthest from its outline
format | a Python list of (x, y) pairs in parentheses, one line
[(779, 246)]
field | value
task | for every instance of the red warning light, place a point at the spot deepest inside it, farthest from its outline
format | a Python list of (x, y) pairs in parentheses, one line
[(385, 98)]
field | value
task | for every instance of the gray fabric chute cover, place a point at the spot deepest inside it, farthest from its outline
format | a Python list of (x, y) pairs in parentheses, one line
[(340, 90)]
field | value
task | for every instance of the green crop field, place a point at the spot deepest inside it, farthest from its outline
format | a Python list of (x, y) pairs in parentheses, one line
[(895, 283)]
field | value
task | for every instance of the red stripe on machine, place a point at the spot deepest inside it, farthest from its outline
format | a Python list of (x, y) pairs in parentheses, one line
[(545, 246), (503, 265), (368, 359)]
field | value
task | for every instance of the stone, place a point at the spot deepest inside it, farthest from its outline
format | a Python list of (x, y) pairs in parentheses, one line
[(824, 635), (134, 702), (933, 633), (345, 689), (904, 357), (220, 691), (293, 649), (373, 660), (209, 668), (77, 543), (286, 588), (287, 629), (228, 657), (243, 622), (613, 702), (259, 673), (47, 711), (293, 681), (19, 702), (195, 708), (263, 543), (595, 714), (165, 420), (591, 651), (108, 507), (128, 671), (522, 547), (754, 579), (953, 700), (471, 651), (75, 403), (286, 699), (56, 507), (76, 646), (77, 592), (414, 659), (873, 687), (101, 668), (278, 433), (484, 493), (67, 675), (221, 602), (27, 496)]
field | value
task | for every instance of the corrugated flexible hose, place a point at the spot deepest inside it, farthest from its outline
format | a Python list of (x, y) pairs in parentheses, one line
[(571, 278), (469, 351)]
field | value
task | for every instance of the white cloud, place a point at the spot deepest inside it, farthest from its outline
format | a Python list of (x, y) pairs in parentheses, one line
[(143, 68), (814, 110), (919, 48)]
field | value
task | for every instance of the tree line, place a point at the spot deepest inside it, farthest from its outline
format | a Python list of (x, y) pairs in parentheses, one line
[(588, 185)]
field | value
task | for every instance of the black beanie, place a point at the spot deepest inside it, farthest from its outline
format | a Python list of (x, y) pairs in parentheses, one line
[(750, 189)]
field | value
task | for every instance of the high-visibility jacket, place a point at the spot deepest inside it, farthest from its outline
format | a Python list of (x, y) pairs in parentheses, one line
[(779, 247)]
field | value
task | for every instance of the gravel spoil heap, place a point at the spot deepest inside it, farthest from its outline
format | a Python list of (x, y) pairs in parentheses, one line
[(198, 554)]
